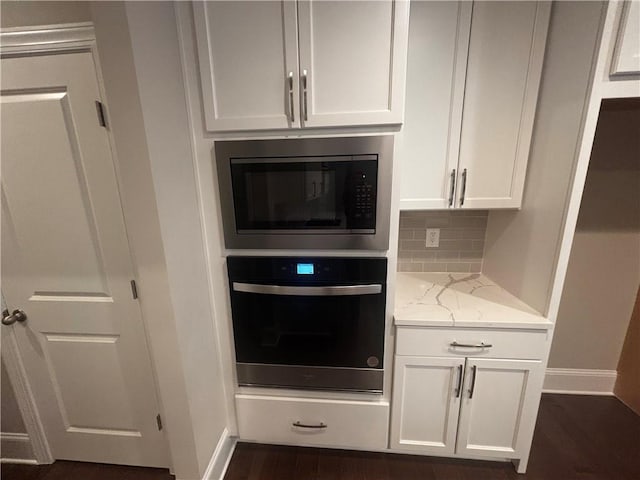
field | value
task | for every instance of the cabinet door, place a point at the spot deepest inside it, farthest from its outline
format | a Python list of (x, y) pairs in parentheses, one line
[(354, 55), (626, 58), (430, 137), (499, 405), (426, 402), (248, 64), (506, 50)]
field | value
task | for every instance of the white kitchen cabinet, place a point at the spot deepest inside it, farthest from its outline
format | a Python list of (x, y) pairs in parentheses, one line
[(626, 57), (499, 406), (248, 57), (437, 60), (454, 395), (426, 402), (313, 421), (352, 61), (472, 150), (348, 68)]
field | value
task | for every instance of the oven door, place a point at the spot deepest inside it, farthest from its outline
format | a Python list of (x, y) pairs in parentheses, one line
[(311, 336)]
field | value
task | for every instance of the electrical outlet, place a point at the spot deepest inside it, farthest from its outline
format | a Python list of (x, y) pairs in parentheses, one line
[(433, 237)]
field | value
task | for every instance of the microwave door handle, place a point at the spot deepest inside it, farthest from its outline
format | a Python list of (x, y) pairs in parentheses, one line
[(324, 291)]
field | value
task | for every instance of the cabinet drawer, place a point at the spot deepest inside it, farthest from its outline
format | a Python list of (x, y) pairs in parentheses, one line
[(437, 342), (353, 424)]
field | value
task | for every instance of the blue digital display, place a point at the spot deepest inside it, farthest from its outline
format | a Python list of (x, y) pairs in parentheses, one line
[(304, 268)]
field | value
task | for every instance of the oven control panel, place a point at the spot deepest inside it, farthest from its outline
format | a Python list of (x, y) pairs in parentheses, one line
[(295, 270)]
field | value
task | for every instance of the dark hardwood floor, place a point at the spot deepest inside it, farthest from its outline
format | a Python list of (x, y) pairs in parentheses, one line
[(577, 438), (63, 470)]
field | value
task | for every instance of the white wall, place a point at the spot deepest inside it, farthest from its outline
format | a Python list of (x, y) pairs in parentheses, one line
[(173, 359), (521, 247), (604, 267), (19, 14), (156, 55)]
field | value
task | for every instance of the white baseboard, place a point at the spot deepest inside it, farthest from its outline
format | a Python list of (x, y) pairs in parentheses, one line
[(16, 448), (221, 457), (579, 381)]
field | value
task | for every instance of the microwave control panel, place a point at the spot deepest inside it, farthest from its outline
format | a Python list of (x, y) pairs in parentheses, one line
[(365, 201)]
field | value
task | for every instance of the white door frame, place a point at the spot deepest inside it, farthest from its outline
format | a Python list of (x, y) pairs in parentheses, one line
[(24, 41)]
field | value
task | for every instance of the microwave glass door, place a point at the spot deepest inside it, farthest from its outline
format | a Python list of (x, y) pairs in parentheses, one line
[(334, 194)]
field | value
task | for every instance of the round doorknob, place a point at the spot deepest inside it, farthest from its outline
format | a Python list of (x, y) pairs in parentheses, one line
[(17, 316)]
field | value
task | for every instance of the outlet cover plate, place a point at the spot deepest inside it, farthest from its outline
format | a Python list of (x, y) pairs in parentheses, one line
[(433, 238)]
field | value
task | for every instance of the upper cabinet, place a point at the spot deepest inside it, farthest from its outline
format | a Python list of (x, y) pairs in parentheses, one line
[(626, 57), (285, 64), (248, 55), (352, 61), (468, 147)]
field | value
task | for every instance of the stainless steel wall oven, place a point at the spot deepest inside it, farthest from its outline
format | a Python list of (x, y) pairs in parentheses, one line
[(329, 193), (313, 323)]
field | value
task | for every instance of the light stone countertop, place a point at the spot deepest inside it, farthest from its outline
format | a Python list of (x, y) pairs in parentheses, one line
[(460, 300)]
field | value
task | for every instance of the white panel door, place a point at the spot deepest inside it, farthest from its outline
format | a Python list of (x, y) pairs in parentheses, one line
[(436, 68), (506, 51), (66, 263), (248, 59), (354, 55), (426, 403), (498, 409)]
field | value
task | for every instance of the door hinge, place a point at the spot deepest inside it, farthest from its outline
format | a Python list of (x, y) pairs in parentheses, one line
[(159, 421), (102, 114), (134, 289)]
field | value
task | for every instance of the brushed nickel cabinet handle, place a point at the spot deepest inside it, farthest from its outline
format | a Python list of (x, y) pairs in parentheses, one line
[(459, 386), (304, 94), (306, 425), (290, 83), (452, 187), (464, 186), (455, 344), (474, 373)]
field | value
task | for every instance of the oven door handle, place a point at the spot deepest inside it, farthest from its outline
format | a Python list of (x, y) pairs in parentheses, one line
[(324, 291)]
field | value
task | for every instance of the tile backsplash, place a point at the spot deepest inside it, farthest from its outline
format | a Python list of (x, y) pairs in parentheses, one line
[(461, 247)]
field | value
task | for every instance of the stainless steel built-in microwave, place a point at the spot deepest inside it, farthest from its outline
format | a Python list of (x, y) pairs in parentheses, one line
[(320, 193)]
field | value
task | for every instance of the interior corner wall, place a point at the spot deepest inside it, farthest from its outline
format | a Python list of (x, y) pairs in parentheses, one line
[(157, 61), (521, 246), (603, 274), (174, 364), (22, 14)]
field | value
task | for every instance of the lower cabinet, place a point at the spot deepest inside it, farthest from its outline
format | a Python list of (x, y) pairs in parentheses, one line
[(313, 422), (499, 405), (465, 406), (426, 404)]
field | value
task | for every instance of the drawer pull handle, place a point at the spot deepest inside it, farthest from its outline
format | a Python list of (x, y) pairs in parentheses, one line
[(304, 425), (455, 344)]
